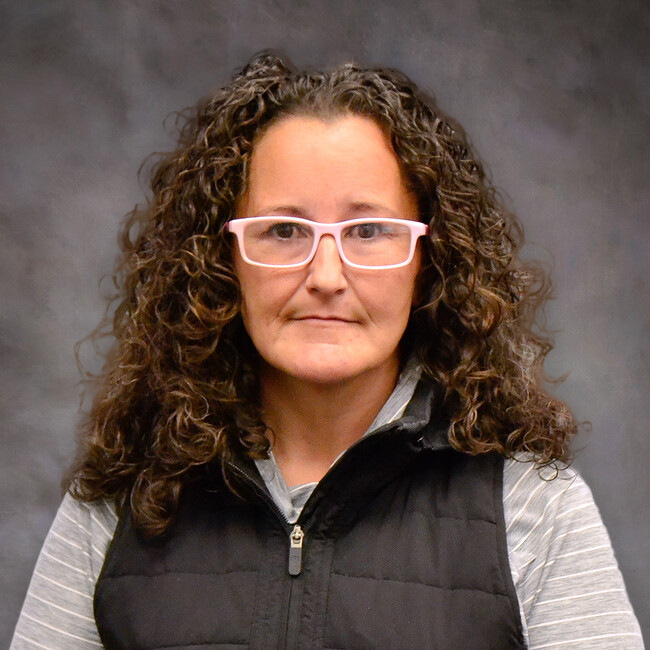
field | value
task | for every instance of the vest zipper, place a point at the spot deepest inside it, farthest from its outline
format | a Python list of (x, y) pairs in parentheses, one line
[(296, 534), (295, 550), (296, 538)]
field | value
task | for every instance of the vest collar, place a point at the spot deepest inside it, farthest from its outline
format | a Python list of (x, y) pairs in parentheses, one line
[(423, 426)]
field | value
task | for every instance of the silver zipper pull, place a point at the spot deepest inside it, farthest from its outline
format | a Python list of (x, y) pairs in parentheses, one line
[(295, 551)]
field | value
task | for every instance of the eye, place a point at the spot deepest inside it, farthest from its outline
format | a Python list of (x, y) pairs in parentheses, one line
[(370, 230), (283, 230), (286, 230)]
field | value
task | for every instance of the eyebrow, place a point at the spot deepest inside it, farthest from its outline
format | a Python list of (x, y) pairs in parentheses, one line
[(283, 210), (355, 208), (367, 206)]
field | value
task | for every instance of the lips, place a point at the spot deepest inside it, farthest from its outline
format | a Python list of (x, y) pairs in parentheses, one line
[(330, 318)]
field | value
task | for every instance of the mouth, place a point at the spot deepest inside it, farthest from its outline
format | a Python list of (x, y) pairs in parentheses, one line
[(316, 318)]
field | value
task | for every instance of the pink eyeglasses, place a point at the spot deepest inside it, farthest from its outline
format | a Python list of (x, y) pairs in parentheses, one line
[(290, 242)]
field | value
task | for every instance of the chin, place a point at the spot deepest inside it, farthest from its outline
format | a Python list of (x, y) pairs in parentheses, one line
[(327, 378), (329, 364), (328, 370), (322, 373)]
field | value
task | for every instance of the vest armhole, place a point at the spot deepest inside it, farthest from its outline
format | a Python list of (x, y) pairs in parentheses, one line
[(502, 549)]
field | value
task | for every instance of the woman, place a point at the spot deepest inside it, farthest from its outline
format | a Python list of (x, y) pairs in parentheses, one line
[(322, 427)]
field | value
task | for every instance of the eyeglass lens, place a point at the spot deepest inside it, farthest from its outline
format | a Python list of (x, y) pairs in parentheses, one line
[(371, 243)]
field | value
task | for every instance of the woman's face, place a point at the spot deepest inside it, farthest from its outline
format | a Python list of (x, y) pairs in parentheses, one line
[(326, 322)]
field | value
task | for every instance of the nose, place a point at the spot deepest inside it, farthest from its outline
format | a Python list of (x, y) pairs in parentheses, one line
[(326, 270)]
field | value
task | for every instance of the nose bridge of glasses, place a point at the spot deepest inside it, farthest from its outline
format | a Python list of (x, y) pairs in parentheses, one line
[(331, 232), (327, 238)]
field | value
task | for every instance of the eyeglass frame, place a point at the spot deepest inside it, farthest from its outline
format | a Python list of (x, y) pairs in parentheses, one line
[(236, 227)]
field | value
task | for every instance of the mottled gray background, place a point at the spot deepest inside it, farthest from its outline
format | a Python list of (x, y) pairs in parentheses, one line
[(553, 93)]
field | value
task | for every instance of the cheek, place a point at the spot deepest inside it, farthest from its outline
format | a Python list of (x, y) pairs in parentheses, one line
[(408, 296), (264, 296), (389, 303), (252, 297), (255, 304)]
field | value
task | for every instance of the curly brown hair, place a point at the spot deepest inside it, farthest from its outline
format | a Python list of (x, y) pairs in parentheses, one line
[(181, 393)]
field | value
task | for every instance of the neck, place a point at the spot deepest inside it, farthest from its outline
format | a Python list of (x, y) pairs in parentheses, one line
[(313, 423)]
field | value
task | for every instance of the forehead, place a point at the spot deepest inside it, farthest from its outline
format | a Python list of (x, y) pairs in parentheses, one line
[(310, 161), (348, 136)]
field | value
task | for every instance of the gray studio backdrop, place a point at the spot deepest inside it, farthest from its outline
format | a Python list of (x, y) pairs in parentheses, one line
[(554, 95)]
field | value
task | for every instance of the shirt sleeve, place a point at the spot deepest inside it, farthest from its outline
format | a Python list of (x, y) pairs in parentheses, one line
[(570, 589), (58, 609)]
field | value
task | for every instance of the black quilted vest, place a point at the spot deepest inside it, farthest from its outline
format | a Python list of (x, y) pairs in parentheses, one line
[(404, 546)]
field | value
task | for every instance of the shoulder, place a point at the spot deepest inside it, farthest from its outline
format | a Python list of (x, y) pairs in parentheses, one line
[(78, 539), (81, 524), (550, 513), (58, 607), (542, 508), (563, 565), (530, 492)]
